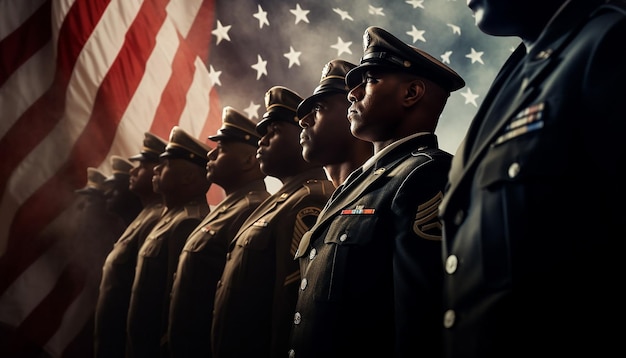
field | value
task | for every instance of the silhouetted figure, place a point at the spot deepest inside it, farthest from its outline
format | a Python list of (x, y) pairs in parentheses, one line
[(118, 271)]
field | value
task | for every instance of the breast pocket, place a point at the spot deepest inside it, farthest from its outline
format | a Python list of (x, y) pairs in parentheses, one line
[(256, 237), (152, 246), (525, 150), (255, 255), (349, 229), (123, 252), (347, 246), (199, 240)]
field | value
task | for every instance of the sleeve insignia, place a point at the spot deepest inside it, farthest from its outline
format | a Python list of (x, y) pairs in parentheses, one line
[(427, 224)]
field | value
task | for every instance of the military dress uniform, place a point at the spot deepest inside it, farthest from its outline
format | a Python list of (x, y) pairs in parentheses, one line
[(203, 257), (361, 253), (120, 169), (118, 270), (91, 231), (257, 292), (534, 234), (119, 199), (158, 257), (95, 182), (371, 265)]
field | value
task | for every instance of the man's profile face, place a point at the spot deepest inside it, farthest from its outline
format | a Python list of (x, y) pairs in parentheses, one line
[(226, 161), (279, 149), (325, 133), (376, 105)]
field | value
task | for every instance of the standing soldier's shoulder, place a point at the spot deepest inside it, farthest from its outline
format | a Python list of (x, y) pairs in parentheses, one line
[(195, 208), (319, 187)]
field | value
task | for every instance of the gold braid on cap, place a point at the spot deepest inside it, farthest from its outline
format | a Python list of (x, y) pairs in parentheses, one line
[(241, 128), (148, 149), (280, 105)]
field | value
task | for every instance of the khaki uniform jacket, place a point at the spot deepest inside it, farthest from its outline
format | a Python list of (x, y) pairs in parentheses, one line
[(371, 265), (256, 295), (118, 273), (156, 264), (200, 267)]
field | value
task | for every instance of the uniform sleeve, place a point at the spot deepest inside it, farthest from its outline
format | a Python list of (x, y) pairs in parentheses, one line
[(417, 266)]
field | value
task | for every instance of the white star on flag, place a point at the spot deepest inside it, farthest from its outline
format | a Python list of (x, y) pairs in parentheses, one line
[(342, 47), (344, 14), (260, 66), (214, 76), (416, 3), (416, 34), (475, 56), (252, 111), (301, 15), (221, 32), (262, 17), (470, 98), (293, 56)]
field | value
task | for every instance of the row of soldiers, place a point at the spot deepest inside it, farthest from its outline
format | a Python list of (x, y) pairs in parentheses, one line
[(349, 245), (378, 241)]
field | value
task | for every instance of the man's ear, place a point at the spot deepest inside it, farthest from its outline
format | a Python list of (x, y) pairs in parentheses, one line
[(414, 92)]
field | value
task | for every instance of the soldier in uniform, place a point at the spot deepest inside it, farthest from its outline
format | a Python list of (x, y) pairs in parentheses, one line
[(118, 271), (325, 135), (95, 182), (180, 178), (119, 198), (372, 279), (90, 233), (234, 167), (326, 138), (95, 225), (534, 234), (93, 191), (257, 292)]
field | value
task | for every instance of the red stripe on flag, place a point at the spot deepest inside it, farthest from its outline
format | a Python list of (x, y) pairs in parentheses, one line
[(23, 43), (37, 122), (199, 36), (32, 128), (25, 242), (92, 146), (174, 95)]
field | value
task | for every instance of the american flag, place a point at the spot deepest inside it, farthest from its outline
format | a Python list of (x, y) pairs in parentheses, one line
[(81, 80)]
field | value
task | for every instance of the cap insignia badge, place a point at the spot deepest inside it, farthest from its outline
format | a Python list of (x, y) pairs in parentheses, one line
[(325, 71), (366, 40)]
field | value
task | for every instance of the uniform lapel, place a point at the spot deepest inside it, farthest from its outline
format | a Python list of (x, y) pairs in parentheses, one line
[(530, 70), (361, 183)]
